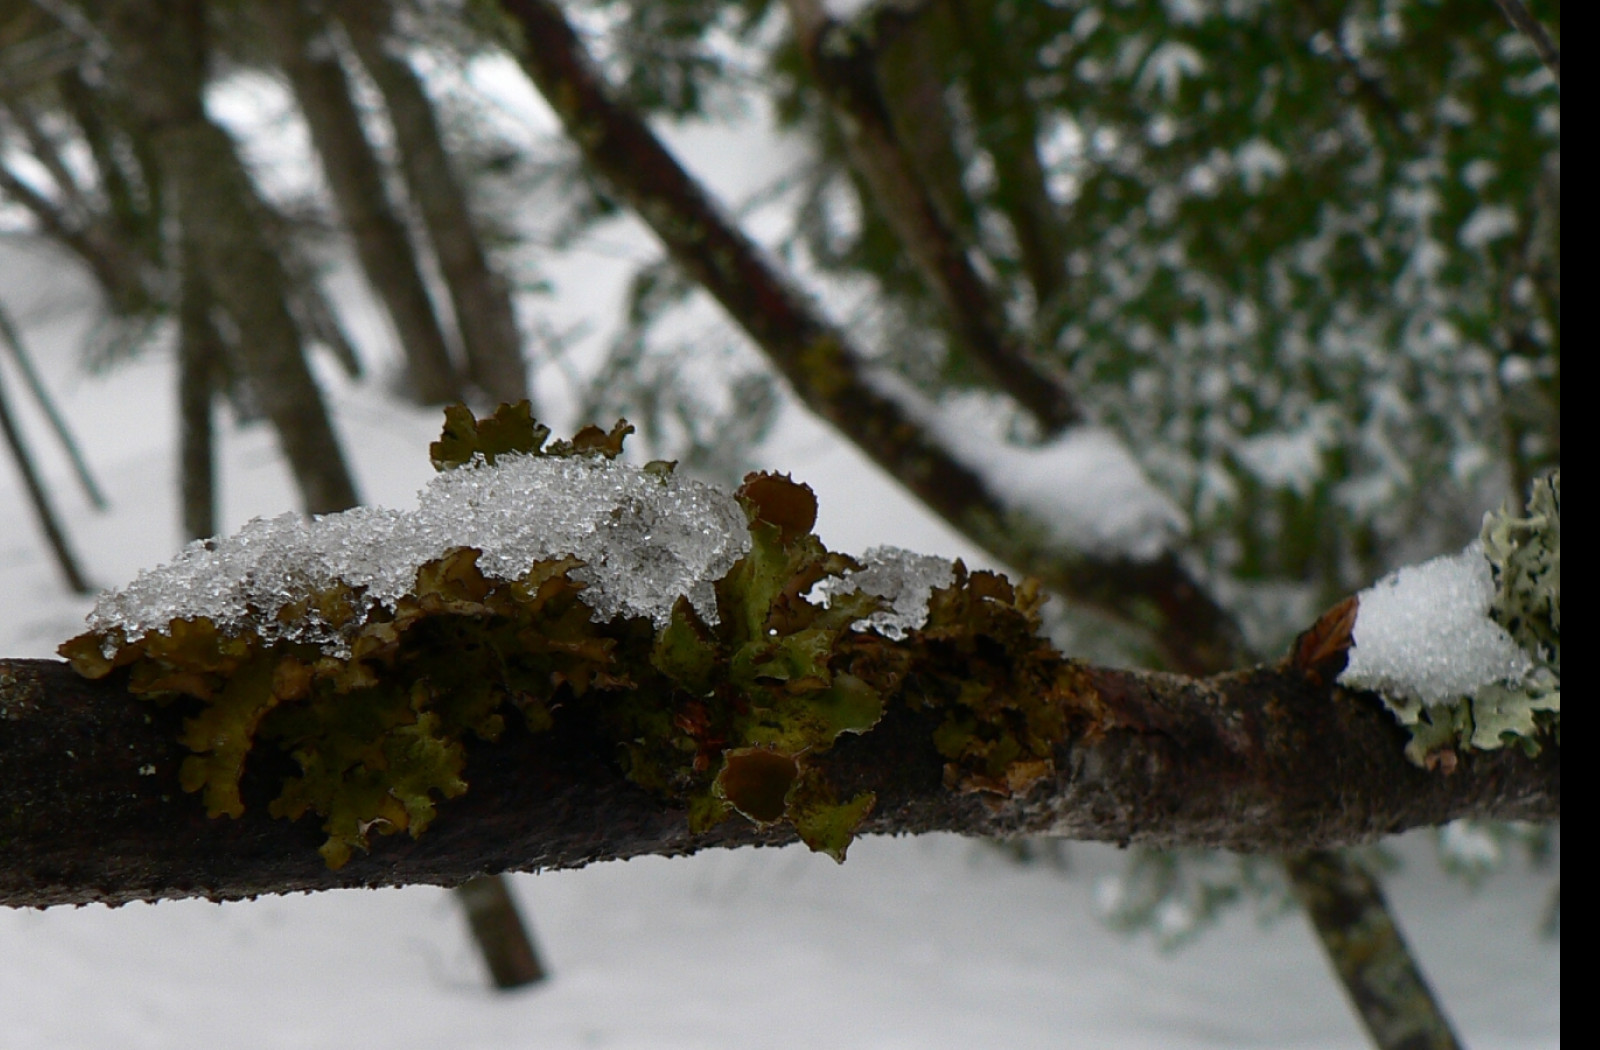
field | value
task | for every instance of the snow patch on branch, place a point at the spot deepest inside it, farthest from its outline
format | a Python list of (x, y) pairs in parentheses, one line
[(1424, 633), (646, 538)]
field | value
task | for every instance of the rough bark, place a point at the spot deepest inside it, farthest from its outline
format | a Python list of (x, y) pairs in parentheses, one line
[(480, 296), (161, 57), (1190, 632), (355, 175), (1264, 760)]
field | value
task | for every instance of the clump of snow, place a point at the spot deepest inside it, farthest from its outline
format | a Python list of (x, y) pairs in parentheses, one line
[(1423, 633), (1084, 487), (905, 579), (645, 539)]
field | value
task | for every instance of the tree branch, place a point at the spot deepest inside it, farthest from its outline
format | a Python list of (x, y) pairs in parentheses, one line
[(1517, 14), (845, 64), (1260, 760)]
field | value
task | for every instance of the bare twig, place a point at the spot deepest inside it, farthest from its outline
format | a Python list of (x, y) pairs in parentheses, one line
[(1517, 13)]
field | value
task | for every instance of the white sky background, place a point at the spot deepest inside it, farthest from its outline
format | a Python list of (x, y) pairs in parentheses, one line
[(912, 943)]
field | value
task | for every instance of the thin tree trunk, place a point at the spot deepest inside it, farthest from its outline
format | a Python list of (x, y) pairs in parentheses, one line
[(480, 296), (12, 337), (1385, 986), (498, 929), (41, 503), (161, 54), (301, 47), (200, 354)]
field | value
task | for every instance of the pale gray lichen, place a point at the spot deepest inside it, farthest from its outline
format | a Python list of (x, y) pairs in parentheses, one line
[(1523, 551)]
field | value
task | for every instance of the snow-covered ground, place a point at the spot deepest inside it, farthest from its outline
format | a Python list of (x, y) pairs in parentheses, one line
[(913, 943)]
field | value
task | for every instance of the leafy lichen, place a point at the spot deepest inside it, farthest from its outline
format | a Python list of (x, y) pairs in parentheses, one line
[(1524, 555), (720, 719)]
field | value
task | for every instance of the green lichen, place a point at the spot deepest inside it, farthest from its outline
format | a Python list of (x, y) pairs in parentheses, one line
[(1007, 695), (378, 732), (773, 682), (722, 719)]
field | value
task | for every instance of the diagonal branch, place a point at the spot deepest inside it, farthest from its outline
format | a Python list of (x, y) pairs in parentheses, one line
[(1191, 631), (1517, 14), (845, 64)]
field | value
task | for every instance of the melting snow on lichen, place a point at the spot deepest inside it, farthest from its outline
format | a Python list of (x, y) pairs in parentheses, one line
[(905, 579), (1424, 633), (645, 538)]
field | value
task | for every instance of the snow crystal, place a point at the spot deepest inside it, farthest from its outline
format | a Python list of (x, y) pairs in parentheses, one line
[(905, 579), (645, 540), (1424, 633)]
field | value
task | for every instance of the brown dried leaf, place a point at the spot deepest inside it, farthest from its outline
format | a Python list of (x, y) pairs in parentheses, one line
[(1322, 651)]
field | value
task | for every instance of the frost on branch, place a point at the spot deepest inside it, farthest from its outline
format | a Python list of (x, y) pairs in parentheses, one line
[(1466, 649), (367, 647)]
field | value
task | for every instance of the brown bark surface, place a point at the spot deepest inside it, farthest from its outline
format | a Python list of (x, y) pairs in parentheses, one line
[(1264, 760)]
